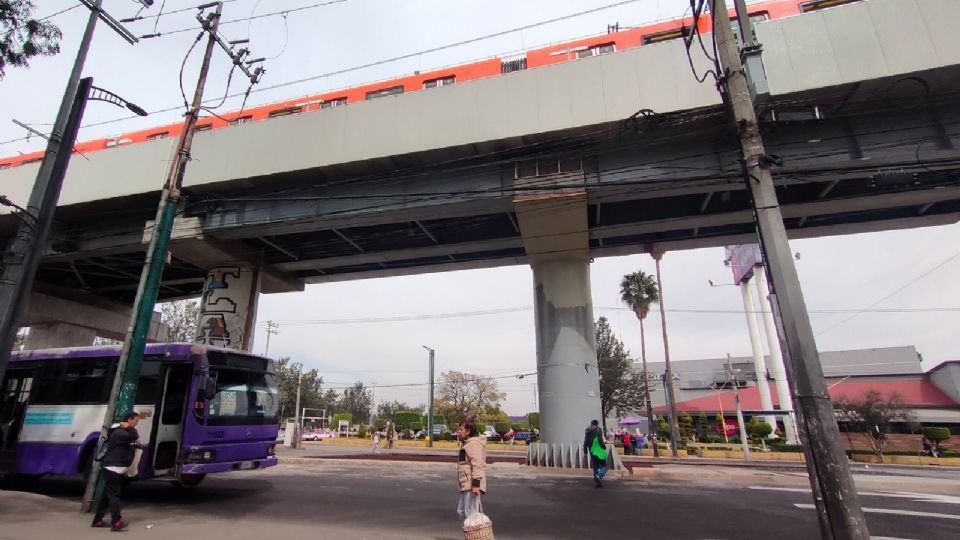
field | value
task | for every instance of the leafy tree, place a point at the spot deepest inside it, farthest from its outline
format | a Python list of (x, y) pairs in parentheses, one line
[(621, 388), (335, 421), (311, 395), (936, 435), (491, 414), (404, 419), (639, 291), (685, 422), (872, 414), (703, 424), (357, 400), (389, 409), (501, 427), (462, 396), (181, 317), (759, 429), (534, 420), (22, 37)]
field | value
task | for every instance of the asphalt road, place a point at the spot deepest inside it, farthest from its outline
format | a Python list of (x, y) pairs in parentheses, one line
[(404, 500)]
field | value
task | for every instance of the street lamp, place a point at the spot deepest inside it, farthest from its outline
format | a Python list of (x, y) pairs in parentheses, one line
[(28, 245), (430, 401)]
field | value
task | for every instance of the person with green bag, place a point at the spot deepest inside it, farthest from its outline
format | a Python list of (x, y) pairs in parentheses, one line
[(596, 446)]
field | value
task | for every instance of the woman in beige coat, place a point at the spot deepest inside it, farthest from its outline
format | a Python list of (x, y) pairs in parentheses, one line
[(471, 468)]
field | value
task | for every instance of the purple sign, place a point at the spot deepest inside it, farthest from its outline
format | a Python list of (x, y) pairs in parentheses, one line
[(742, 259)]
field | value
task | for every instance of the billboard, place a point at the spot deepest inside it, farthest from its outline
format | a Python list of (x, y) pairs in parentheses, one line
[(741, 259)]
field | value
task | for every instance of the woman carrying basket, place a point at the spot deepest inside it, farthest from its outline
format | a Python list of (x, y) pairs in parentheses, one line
[(471, 468)]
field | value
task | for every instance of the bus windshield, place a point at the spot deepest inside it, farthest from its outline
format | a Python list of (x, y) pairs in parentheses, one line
[(243, 397)]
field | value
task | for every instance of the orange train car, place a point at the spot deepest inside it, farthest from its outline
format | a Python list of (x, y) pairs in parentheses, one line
[(553, 54)]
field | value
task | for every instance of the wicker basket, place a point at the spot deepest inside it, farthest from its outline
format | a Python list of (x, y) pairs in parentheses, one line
[(479, 532)]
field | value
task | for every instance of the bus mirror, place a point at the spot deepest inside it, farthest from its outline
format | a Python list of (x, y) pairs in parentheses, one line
[(210, 387)]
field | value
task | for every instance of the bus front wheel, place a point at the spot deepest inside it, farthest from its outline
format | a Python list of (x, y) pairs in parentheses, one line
[(189, 480)]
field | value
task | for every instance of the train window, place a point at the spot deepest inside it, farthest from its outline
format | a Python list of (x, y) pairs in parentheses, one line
[(597, 50), (203, 127), (442, 81), (287, 111), (515, 64), (667, 35), (814, 5), (118, 142), (393, 90), (241, 120), (334, 102), (158, 136)]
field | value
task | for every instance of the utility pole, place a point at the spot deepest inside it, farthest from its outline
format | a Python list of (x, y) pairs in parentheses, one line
[(295, 443), (834, 494), (131, 356), (26, 248), (736, 395), (667, 372), (272, 328), (430, 402)]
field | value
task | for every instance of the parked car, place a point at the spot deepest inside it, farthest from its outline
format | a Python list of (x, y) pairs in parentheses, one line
[(315, 435)]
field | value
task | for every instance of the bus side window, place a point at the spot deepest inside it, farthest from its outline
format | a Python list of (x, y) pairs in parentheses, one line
[(148, 388)]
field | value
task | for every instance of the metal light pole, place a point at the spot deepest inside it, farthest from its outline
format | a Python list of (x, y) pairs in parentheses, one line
[(430, 402), (26, 248), (834, 493)]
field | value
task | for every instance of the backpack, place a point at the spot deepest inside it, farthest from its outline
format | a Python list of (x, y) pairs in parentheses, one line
[(598, 450), (103, 446), (101, 451)]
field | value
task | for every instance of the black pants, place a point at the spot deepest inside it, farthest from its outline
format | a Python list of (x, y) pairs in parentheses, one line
[(113, 486)]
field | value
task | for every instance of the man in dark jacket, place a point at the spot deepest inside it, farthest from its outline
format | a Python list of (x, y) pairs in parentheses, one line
[(122, 442), (594, 434)]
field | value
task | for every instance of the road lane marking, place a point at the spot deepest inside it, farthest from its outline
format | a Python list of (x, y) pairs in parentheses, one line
[(916, 497), (891, 511)]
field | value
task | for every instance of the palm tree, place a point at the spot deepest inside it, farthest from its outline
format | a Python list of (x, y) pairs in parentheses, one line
[(667, 372), (639, 291)]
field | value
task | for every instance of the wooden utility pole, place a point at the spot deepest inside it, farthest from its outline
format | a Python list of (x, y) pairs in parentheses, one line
[(835, 496)]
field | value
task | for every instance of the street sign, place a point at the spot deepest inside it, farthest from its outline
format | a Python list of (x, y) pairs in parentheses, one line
[(727, 427)]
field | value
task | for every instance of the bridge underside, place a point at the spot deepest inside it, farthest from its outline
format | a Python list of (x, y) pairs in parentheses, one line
[(864, 157)]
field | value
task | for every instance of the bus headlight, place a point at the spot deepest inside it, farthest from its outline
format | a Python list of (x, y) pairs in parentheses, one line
[(198, 455)]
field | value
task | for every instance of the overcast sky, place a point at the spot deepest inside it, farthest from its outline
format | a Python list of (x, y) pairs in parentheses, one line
[(339, 328)]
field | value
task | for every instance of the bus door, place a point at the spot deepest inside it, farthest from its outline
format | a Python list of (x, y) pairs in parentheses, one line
[(169, 427), (13, 406)]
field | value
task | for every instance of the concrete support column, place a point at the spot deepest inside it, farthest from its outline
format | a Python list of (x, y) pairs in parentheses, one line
[(59, 334), (566, 350), (777, 370), (228, 307), (759, 365)]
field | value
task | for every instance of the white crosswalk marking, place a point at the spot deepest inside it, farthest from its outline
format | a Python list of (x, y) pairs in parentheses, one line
[(918, 497)]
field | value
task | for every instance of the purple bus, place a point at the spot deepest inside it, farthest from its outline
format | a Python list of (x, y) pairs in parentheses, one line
[(202, 409)]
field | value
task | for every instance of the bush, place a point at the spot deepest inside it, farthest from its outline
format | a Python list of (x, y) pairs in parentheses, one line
[(415, 427), (936, 434), (404, 419), (533, 419), (786, 447), (362, 431), (760, 429), (515, 427), (501, 427), (379, 424)]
